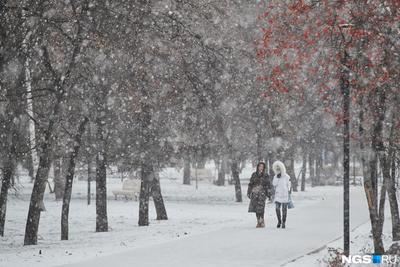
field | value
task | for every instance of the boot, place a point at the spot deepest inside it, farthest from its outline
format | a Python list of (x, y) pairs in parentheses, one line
[(258, 223), (262, 223), (278, 215)]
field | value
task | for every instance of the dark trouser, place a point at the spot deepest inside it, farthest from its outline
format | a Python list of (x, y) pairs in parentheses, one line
[(278, 211), (260, 215)]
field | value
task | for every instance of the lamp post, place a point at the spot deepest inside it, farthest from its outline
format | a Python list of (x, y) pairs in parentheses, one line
[(345, 89)]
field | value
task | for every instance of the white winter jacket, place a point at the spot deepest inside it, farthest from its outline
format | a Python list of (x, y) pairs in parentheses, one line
[(282, 187)]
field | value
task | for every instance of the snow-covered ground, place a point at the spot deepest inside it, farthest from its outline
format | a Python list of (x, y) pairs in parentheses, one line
[(205, 228), (361, 244), (315, 221)]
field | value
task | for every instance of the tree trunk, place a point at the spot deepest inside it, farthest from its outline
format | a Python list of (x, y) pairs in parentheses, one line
[(186, 170), (31, 171), (10, 109), (378, 228), (101, 179), (391, 190), (147, 133), (318, 167), (388, 158), (10, 156), (36, 202), (158, 199), (59, 182), (221, 172), (303, 171), (369, 173), (146, 173), (236, 180), (335, 160), (270, 162), (89, 179), (393, 172), (29, 102), (69, 179), (311, 167), (325, 156), (90, 165), (372, 197), (8, 172), (258, 143), (39, 186), (369, 163), (292, 173)]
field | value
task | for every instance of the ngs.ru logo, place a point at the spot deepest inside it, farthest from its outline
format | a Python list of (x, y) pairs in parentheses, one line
[(377, 259)]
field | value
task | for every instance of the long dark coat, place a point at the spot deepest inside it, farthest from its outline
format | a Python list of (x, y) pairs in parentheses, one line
[(258, 191)]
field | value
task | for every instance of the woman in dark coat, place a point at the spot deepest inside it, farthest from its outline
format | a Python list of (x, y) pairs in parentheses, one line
[(258, 191)]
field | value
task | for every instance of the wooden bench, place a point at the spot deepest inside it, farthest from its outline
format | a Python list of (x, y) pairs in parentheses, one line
[(130, 189)]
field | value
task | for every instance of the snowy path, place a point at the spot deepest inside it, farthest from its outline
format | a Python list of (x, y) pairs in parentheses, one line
[(310, 226)]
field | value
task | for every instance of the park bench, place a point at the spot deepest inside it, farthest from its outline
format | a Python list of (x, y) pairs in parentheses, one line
[(130, 189)]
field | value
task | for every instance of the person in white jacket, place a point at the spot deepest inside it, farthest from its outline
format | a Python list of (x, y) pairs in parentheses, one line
[(281, 183)]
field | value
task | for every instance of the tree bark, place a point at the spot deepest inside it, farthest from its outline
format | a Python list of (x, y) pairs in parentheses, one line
[(158, 199), (11, 110), (236, 180), (29, 99), (186, 169), (335, 160), (303, 171), (258, 143), (89, 180), (31, 171), (146, 173), (372, 204), (8, 172), (369, 163), (10, 152), (292, 173), (387, 158), (147, 133), (270, 162), (90, 165), (221, 172), (39, 186), (311, 167), (101, 179), (318, 167), (59, 182), (377, 232), (393, 172), (391, 190), (69, 179)]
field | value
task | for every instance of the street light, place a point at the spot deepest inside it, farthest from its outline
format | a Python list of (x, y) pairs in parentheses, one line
[(345, 89)]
